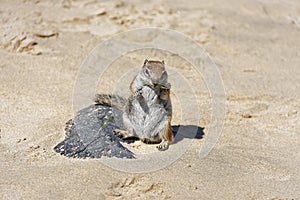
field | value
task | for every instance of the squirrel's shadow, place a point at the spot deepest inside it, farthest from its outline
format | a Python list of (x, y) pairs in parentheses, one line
[(179, 132), (189, 131)]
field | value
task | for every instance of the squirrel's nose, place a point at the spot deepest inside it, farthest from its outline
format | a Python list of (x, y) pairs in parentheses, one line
[(155, 82)]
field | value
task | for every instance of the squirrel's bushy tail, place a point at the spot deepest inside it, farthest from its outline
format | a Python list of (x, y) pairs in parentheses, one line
[(110, 100)]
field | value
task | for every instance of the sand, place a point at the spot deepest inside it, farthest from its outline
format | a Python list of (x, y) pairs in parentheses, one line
[(255, 46)]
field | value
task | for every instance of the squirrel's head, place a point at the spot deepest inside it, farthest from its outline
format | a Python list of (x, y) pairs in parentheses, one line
[(156, 72)]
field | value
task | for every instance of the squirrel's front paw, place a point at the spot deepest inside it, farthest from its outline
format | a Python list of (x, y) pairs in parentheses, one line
[(138, 92), (164, 145)]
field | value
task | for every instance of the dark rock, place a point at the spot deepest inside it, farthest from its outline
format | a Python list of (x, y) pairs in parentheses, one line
[(89, 134)]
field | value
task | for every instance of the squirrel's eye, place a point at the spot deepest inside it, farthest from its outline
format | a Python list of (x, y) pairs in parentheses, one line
[(147, 72)]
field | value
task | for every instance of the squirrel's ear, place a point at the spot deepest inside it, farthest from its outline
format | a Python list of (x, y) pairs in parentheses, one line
[(145, 62), (163, 62)]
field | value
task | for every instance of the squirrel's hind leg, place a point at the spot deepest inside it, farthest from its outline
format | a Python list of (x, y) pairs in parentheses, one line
[(167, 137)]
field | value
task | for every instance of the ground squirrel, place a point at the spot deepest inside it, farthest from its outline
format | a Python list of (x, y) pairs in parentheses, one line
[(148, 111)]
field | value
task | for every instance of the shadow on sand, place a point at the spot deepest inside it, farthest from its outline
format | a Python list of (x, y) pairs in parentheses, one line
[(189, 131), (179, 132)]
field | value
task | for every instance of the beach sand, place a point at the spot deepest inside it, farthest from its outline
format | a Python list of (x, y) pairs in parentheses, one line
[(254, 44)]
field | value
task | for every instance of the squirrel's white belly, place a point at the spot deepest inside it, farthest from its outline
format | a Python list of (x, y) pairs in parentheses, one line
[(148, 116)]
